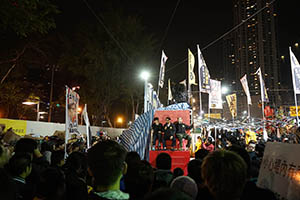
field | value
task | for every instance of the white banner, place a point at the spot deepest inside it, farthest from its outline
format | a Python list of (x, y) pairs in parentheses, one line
[(72, 103), (295, 72), (263, 90), (215, 95), (164, 59), (246, 88), (87, 123), (204, 77), (280, 170)]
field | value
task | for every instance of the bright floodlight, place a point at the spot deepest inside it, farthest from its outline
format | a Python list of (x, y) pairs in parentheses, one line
[(225, 90), (120, 120), (29, 103), (145, 75)]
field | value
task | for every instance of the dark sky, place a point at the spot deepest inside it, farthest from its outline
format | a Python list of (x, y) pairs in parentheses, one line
[(192, 24), (200, 22)]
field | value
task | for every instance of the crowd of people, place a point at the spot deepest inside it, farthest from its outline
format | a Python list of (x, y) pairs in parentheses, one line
[(37, 169)]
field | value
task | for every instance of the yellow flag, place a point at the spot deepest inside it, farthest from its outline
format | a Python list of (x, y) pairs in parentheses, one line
[(231, 100), (191, 65)]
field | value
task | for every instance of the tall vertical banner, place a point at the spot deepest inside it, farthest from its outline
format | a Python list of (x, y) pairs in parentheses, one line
[(191, 65), (204, 77), (72, 103), (215, 95), (263, 90), (87, 125), (296, 79), (295, 72), (232, 104), (191, 74), (163, 61), (264, 98), (246, 88)]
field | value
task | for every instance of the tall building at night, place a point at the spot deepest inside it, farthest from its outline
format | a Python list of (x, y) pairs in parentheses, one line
[(253, 45)]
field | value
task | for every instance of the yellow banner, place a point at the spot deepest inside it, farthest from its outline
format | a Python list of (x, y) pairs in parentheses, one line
[(231, 100), (213, 115), (18, 126), (293, 111)]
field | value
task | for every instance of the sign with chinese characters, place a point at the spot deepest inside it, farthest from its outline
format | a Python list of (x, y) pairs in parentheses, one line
[(293, 111), (213, 115), (280, 170), (18, 126)]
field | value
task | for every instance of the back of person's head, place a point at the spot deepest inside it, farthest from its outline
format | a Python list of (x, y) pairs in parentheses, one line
[(224, 173), (106, 162), (201, 153), (132, 157), (20, 164), (45, 146), (57, 158), (51, 185), (8, 188), (232, 140), (139, 179), (186, 185), (194, 170), (25, 145), (77, 161), (178, 172), (168, 194), (163, 161), (243, 153)]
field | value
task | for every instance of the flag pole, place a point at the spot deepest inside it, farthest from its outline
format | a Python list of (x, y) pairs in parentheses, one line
[(249, 116), (200, 85), (296, 104), (262, 102)]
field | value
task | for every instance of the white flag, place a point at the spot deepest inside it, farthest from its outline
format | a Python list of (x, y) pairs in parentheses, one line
[(295, 66), (215, 95), (204, 77), (246, 88), (263, 90), (87, 123), (170, 96), (191, 65), (164, 59)]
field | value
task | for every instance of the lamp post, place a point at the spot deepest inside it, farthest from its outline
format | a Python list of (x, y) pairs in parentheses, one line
[(29, 103), (145, 76)]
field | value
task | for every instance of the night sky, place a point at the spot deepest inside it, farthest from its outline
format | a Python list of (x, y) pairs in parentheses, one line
[(200, 22)]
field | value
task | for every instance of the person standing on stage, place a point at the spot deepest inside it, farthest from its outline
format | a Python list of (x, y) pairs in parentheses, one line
[(169, 133), (156, 132), (181, 129)]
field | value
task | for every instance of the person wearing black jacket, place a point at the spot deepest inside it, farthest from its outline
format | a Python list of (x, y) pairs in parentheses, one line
[(169, 133), (181, 129), (156, 131)]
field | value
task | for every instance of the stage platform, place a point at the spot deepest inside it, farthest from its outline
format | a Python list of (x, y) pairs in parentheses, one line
[(179, 159)]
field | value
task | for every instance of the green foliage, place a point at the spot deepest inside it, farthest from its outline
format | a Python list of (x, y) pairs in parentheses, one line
[(27, 16)]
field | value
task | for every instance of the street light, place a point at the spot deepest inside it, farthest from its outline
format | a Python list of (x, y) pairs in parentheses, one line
[(145, 75), (119, 121), (29, 103), (296, 45), (225, 90)]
